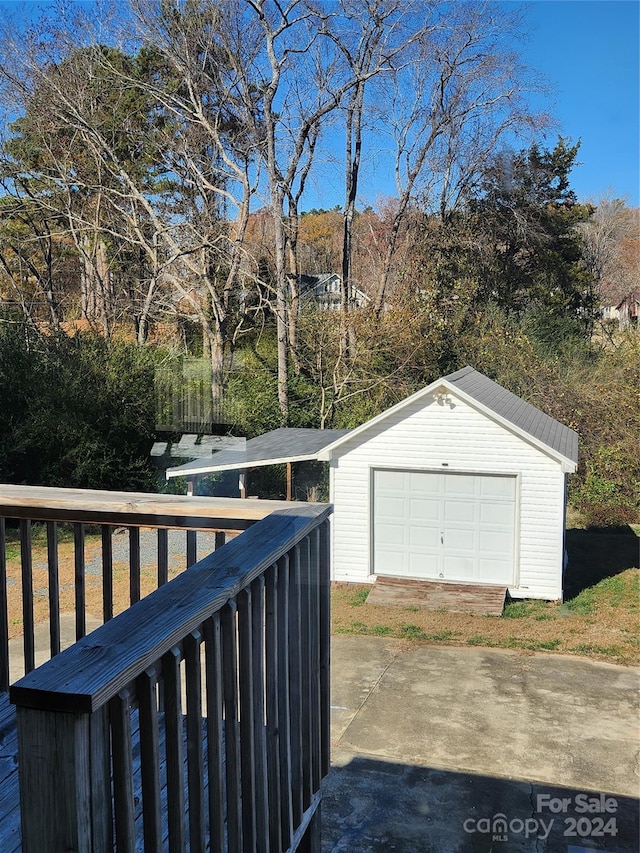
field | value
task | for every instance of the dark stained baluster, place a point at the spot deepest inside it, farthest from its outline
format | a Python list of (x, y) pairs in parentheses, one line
[(325, 647), (295, 686), (220, 539), (79, 580), (192, 547), (215, 759), (261, 816), (107, 572), (272, 707), (120, 717), (284, 724), (149, 761), (134, 564), (172, 689), (27, 594), (4, 613), (248, 770), (195, 768), (231, 732), (314, 647), (54, 587), (163, 556), (305, 654)]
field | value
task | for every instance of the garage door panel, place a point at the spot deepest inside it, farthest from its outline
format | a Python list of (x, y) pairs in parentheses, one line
[(392, 561), (421, 536), (421, 510), (498, 514), (497, 487), (500, 571), (398, 481), (460, 484), (495, 543), (460, 540), (392, 508), (460, 511), (425, 482), (458, 567), (423, 565), (393, 535)]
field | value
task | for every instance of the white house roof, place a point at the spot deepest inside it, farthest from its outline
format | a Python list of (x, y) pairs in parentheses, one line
[(496, 402), (272, 448)]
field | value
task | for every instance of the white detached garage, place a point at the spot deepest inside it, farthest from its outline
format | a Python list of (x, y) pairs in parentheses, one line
[(463, 481)]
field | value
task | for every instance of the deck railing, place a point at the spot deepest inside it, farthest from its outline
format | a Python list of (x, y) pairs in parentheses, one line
[(63, 518), (198, 718)]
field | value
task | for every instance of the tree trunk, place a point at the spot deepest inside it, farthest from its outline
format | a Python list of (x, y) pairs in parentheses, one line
[(215, 345), (293, 276), (282, 293), (352, 169)]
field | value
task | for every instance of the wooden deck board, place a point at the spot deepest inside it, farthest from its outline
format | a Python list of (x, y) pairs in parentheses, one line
[(486, 599), (9, 807)]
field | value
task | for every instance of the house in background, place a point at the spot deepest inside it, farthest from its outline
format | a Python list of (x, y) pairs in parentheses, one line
[(626, 311), (323, 290)]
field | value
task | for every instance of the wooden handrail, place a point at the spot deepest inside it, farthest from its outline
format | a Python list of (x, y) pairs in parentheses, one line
[(44, 503), (85, 676)]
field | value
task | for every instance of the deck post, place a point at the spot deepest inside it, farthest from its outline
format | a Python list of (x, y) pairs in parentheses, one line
[(65, 789)]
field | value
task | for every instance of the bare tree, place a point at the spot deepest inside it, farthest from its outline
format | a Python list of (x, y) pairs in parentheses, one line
[(376, 41), (166, 175), (462, 93), (610, 246)]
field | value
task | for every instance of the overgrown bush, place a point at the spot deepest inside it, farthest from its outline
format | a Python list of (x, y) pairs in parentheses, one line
[(76, 412), (607, 493)]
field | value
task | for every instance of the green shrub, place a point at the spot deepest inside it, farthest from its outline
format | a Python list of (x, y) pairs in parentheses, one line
[(607, 495), (77, 412)]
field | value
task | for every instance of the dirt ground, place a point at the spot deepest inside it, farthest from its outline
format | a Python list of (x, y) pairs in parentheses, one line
[(66, 575)]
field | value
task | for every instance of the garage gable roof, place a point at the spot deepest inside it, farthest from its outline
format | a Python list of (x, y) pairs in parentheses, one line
[(496, 402)]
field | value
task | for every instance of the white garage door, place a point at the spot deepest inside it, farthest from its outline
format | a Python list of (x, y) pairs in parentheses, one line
[(444, 526)]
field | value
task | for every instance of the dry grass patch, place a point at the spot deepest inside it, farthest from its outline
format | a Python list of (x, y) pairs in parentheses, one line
[(601, 622)]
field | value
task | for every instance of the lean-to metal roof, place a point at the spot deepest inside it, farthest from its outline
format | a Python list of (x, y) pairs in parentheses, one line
[(272, 448)]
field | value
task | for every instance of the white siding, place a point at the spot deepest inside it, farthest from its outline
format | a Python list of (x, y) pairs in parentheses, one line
[(456, 437)]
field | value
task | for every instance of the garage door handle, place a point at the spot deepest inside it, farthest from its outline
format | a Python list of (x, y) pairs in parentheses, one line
[(442, 537)]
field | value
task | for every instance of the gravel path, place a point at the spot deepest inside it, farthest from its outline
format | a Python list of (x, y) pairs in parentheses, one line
[(149, 549)]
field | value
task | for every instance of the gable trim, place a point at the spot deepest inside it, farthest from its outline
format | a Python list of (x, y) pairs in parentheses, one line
[(568, 465)]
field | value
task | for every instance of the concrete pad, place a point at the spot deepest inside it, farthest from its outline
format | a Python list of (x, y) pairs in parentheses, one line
[(448, 735), (363, 661)]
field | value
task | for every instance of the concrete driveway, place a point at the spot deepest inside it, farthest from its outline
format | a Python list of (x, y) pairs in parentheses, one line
[(467, 749)]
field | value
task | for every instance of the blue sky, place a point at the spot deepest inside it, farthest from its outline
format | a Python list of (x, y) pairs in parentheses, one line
[(589, 51)]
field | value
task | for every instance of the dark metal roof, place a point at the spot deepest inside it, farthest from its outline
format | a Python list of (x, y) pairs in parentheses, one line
[(515, 410), (272, 448)]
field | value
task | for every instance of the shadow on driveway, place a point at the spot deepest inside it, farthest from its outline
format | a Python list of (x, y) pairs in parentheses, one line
[(372, 806)]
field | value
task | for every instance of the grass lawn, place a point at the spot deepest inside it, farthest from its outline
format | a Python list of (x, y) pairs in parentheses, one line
[(600, 617)]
